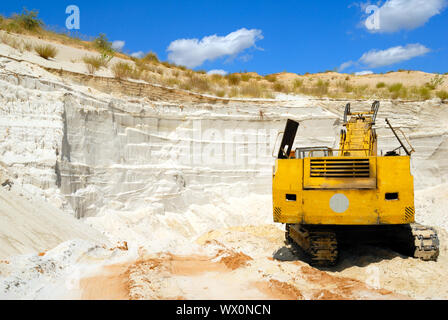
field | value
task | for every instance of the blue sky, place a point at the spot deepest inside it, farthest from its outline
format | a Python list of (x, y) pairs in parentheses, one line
[(267, 36)]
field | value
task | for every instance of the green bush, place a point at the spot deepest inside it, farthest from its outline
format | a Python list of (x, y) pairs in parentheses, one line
[(46, 51), (102, 43), (380, 85), (104, 46), (435, 82), (28, 20)]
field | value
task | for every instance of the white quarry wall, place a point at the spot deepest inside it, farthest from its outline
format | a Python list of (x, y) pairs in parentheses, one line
[(136, 168)]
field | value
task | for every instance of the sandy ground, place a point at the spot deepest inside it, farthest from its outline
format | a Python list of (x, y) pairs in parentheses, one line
[(236, 271)]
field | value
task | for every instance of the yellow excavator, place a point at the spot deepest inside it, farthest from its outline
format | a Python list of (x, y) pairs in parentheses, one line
[(330, 197)]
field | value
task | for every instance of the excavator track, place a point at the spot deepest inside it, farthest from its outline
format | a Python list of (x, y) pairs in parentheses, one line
[(426, 242), (320, 245), (417, 241)]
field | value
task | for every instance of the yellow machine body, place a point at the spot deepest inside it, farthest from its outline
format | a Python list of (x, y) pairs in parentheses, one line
[(353, 187), (366, 201)]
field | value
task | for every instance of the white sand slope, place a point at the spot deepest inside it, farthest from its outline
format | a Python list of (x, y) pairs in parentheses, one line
[(29, 224)]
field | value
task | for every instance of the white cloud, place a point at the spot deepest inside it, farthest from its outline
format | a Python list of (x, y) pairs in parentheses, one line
[(118, 45), (194, 52), (363, 73), (218, 71), (395, 15), (380, 58), (138, 54), (345, 65)]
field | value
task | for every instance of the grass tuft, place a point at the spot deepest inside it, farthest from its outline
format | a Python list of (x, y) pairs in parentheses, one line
[(122, 70), (94, 63), (442, 95), (46, 51)]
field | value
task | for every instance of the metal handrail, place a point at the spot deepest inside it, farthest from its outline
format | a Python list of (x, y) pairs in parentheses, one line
[(275, 144)]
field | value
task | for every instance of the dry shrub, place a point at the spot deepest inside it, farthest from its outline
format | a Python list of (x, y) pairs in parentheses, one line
[(12, 42), (151, 57), (28, 46), (46, 51), (198, 83), (271, 78), (424, 93), (220, 93), (233, 79), (123, 70), (216, 77), (172, 82), (298, 83), (93, 63), (252, 90), (396, 87), (280, 87), (442, 95), (246, 77)]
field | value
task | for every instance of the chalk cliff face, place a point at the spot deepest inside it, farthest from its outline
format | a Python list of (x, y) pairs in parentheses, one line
[(135, 154), (169, 163)]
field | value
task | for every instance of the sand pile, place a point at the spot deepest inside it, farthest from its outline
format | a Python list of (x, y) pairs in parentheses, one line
[(29, 224)]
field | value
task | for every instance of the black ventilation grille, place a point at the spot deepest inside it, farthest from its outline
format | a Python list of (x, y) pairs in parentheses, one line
[(339, 168)]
